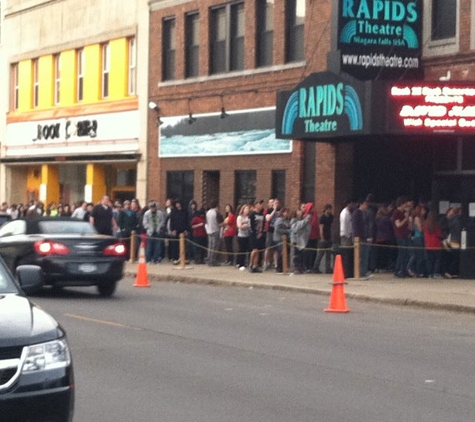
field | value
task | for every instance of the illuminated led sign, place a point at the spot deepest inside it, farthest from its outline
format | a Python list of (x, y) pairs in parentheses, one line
[(380, 38), (431, 107), (324, 105)]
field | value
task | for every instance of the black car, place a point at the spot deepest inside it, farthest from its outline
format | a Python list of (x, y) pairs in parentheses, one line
[(36, 370), (69, 252)]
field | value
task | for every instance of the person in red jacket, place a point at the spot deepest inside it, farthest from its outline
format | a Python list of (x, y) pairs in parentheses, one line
[(229, 233), (199, 236), (433, 243)]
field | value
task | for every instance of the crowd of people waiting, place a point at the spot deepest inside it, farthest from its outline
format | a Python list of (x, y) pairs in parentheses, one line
[(409, 239)]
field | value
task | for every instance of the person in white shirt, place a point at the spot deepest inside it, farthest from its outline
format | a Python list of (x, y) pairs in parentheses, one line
[(212, 230), (346, 238)]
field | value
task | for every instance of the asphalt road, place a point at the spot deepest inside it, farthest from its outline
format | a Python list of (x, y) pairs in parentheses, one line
[(178, 352)]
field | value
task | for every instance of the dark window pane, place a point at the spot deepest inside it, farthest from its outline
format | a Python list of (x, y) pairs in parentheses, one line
[(192, 45), (444, 19), (180, 185), (227, 38), (278, 185), (244, 186), (168, 49), (295, 18)]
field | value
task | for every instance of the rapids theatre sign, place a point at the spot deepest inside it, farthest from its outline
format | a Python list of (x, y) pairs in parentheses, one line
[(324, 105), (378, 39)]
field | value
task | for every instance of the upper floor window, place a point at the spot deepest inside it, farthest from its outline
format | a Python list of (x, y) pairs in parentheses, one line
[(443, 19), (294, 33), (15, 86), (192, 45), (265, 33), (36, 83), (441, 27), (168, 58), (80, 75), (132, 83), (57, 78), (105, 70), (227, 38)]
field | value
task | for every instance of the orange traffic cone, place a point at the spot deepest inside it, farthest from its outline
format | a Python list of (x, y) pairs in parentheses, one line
[(142, 273), (337, 297)]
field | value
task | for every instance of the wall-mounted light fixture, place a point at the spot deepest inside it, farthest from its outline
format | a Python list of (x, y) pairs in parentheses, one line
[(190, 119), (153, 106), (223, 111)]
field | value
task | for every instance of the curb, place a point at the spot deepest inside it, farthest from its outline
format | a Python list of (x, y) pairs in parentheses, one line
[(416, 304)]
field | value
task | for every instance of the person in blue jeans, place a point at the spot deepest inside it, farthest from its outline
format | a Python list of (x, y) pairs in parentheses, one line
[(154, 225)]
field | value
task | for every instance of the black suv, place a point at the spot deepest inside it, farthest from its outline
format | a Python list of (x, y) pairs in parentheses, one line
[(36, 371)]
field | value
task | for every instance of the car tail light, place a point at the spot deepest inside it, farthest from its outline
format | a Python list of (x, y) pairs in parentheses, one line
[(48, 247), (117, 249)]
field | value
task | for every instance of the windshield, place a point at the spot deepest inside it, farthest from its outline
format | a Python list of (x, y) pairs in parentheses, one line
[(66, 227)]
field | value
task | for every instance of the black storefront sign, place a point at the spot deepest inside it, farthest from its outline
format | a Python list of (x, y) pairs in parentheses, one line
[(323, 106), (378, 39)]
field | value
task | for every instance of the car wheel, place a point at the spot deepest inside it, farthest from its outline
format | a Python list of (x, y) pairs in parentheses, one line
[(107, 288)]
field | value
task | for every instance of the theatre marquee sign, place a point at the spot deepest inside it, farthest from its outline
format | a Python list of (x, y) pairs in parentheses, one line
[(430, 107), (324, 105)]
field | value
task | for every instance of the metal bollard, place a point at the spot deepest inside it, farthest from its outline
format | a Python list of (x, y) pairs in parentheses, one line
[(133, 244), (285, 255)]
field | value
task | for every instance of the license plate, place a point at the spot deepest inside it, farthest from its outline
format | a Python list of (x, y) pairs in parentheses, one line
[(87, 268)]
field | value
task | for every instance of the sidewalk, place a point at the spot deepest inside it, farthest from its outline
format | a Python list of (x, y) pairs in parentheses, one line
[(447, 294)]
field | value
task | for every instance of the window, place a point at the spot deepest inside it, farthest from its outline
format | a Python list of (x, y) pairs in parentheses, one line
[(36, 83), (294, 39), (57, 78), (168, 59), (245, 186), (444, 19), (227, 38), (441, 27), (15, 92), (180, 185), (278, 185), (265, 33), (80, 75), (309, 166), (192, 45), (105, 70), (132, 90)]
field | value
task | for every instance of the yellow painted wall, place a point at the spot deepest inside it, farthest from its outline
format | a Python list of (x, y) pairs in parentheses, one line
[(118, 77), (50, 178), (92, 73), (33, 180), (68, 78), (46, 82), (96, 178), (25, 83), (119, 69)]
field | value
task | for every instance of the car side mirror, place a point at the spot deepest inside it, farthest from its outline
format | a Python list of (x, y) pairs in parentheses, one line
[(30, 278)]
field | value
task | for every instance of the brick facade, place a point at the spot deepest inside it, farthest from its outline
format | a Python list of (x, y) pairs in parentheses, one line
[(251, 88)]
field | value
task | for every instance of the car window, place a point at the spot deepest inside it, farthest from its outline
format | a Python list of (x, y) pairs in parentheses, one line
[(13, 228), (6, 283), (66, 227)]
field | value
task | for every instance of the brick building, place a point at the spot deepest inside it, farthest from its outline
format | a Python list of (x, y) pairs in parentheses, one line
[(212, 55)]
